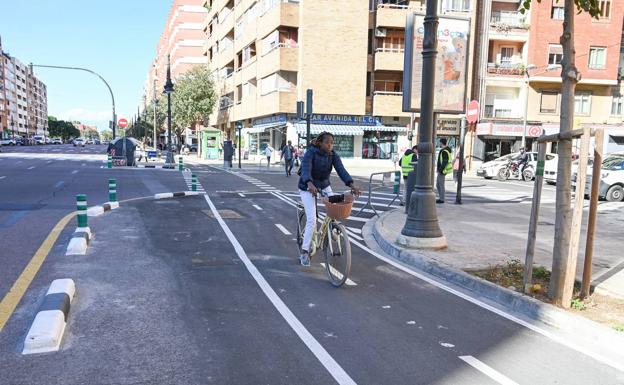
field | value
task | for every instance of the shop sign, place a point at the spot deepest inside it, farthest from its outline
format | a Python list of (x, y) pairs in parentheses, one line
[(281, 118), (507, 129), (448, 127), (484, 128), (353, 120)]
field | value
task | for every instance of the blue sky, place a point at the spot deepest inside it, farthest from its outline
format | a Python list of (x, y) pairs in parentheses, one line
[(114, 38)]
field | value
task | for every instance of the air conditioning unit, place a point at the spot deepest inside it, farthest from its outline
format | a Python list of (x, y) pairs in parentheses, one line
[(380, 32)]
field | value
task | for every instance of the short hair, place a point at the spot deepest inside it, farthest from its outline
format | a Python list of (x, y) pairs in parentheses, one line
[(415, 147), (443, 141)]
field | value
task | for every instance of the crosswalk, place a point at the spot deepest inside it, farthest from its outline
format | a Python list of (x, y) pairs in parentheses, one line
[(257, 182), (188, 179), (67, 157)]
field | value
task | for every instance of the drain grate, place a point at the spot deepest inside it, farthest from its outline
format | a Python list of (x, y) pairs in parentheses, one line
[(225, 214)]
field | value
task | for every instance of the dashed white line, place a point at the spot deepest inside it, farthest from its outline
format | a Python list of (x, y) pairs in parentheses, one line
[(283, 229), (334, 369), (488, 371), (257, 207), (30, 168), (2, 177), (74, 172), (241, 195)]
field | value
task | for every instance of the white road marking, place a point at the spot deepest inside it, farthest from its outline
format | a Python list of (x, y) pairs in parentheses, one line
[(355, 230), (283, 229), (242, 195), (59, 184), (601, 358), (336, 371), (257, 207), (74, 172), (31, 167), (488, 371), (348, 282), (2, 177)]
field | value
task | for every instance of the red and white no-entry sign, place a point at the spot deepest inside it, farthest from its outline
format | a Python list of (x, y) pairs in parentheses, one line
[(123, 123), (472, 111), (535, 131)]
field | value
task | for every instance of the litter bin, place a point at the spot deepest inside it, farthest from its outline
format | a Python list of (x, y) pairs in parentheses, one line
[(228, 153)]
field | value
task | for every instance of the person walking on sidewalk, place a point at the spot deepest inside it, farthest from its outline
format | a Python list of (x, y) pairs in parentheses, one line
[(444, 166), (288, 154), (268, 151), (406, 168)]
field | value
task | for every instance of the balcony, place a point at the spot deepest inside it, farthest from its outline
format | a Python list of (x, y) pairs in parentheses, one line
[(277, 101), (281, 58), (245, 109), (392, 15), (225, 56), (388, 104), (284, 14), (509, 25), (389, 59), (248, 70), (247, 36), (225, 26), (514, 71)]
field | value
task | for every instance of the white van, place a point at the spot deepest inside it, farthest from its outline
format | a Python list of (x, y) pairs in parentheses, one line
[(38, 139)]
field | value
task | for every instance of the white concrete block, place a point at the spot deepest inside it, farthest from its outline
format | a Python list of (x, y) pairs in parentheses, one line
[(95, 211), (114, 205), (65, 285), (77, 246), (163, 195), (84, 230), (46, 332), (191, 193)]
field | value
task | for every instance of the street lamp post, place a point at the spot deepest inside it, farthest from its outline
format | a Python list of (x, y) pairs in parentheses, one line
[(154, 106), (239, 127), (422, 229), (169, 91), (13, 127)]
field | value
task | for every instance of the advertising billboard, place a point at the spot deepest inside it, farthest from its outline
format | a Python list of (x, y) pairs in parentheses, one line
[(451, 64)]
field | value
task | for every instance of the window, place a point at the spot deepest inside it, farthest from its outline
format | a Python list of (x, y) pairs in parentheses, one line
[(249, 53), (597, 57), (384, 86), (556, 12), (555, 53), (393, 41), (582, 103), (548, 102), (616, 104), (605, 9), (456, 6), (506, 55)]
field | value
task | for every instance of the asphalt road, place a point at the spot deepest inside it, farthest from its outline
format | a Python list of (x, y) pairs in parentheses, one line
[(209, 290)]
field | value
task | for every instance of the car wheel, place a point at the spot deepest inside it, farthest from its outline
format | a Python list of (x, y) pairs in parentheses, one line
[(550, 182), (615, 193), (487, 177)]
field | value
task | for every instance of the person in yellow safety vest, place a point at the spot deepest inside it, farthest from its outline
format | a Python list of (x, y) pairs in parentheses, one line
[(406, 160)]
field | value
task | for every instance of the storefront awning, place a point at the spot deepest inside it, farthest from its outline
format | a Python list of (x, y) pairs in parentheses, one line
[(336, 129), (384, 128), (262, 127)]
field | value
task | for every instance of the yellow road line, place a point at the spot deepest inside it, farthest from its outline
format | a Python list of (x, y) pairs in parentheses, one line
[(14, 296)]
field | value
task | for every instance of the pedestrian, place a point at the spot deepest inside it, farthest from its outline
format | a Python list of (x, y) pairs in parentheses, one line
[(456, 167), (406, 168), (268, 151), (415, 151), (288, 152), (444, 166)]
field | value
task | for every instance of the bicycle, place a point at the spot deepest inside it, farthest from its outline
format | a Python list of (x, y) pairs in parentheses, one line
[(332, 236)]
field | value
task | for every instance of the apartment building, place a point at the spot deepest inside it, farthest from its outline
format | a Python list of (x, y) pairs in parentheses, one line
[(23, 99), (520, 74), (182, 39), (265, 54)]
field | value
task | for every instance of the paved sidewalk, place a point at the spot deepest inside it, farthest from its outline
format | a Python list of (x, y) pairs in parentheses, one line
[(477, 244)]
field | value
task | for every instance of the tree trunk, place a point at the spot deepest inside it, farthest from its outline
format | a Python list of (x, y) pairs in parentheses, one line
[(561, 258)]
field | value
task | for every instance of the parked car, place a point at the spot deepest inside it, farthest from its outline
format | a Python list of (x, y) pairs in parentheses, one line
[(611, 178), (96, 141), (8, 142), (57, 141), (48, 140), (550, 170), (79, 142), (90, 141), (490, 169), (38, 139)]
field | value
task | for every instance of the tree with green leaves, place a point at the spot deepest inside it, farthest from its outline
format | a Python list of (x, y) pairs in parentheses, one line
[(193, 99), (106, 135), (62, 129), (561, 284)]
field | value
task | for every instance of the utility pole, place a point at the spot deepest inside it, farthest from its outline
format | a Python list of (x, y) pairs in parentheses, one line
[(154, 106), (169, 91)]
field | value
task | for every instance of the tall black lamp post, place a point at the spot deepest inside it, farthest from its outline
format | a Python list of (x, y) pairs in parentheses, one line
[(239, 127), (169, 91), (421, 228), (13, 127)]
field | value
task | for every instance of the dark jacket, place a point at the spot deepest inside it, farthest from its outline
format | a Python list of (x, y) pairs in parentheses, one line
[(317, 166), (287, 152), (444, 156)]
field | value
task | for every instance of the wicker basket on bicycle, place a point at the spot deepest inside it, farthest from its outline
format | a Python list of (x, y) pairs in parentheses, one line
[(340, 210)]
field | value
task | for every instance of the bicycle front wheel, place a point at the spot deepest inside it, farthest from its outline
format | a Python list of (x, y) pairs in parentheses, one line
[(337, 250)]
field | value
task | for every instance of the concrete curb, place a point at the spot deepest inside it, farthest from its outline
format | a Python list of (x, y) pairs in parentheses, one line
[(155, 166), (512, 301), (46, 331), (96, 211), (176, 194), (79, 242)]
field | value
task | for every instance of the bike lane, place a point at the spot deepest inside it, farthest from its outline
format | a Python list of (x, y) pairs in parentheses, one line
[(392, 327)]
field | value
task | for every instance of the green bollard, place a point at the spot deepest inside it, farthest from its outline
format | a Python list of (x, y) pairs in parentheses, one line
[(193, 182), (397, 182), (112, 190), (181, 164), (110, 161), (81, 210)]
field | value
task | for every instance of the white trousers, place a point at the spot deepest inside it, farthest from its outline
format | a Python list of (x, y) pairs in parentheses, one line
[(310, 212)]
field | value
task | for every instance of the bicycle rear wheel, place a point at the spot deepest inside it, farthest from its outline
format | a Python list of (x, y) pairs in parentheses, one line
[(337, 249), (301, 223)]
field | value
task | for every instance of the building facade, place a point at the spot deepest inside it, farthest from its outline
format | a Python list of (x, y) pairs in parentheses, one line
[(520, 76), (266, 54), (23, 100)]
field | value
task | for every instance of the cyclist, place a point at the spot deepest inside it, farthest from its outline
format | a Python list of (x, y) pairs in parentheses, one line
[(316, 167)]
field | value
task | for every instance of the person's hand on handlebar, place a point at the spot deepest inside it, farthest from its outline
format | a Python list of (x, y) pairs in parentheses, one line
[(355, 190), (312, 188)]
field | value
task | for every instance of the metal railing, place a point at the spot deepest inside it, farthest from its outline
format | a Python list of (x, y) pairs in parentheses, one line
[(510, 18), (385, 182)]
